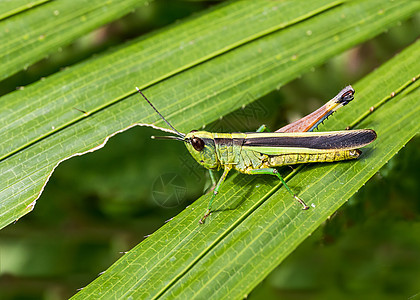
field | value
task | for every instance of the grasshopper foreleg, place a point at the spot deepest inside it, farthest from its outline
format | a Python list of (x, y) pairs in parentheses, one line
[(215, 192), (213, 180), (272, 171)]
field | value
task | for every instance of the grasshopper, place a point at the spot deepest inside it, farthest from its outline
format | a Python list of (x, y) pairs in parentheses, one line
[(260, 152)]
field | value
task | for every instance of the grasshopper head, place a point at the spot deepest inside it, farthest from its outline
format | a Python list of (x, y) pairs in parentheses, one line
[(201, 146)]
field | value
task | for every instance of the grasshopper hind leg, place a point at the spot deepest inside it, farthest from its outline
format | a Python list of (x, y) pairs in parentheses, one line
[(271, 171)]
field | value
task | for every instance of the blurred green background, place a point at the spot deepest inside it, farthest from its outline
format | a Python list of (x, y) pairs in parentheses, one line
[(101, 204)]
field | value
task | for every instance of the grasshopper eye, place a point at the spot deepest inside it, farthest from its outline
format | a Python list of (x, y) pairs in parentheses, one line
[(197, 143)]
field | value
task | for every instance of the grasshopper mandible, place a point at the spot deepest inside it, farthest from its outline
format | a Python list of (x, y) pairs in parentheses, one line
[(260, 152)]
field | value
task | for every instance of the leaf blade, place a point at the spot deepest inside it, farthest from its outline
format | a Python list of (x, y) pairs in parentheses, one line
[(77, 87), (52, 24), (190, 255)]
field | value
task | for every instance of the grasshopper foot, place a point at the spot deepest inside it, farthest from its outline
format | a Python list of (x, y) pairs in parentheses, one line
[(203, 219), (305, 207)]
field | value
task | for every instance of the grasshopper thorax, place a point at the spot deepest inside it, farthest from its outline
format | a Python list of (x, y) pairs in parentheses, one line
[(202, 148)]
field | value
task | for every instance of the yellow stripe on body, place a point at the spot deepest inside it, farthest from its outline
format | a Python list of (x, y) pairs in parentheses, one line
[(299, 158)]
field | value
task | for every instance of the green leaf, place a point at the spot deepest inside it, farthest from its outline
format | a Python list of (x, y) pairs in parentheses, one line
[(117, 73), (193, 74), (43, 128), (11, 7), (33, 31), (257, 224)]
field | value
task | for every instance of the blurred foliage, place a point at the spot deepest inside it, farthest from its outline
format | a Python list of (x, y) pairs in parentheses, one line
[(95, 206)]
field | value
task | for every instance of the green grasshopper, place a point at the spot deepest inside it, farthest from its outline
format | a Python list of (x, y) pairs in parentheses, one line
[(259, 152)]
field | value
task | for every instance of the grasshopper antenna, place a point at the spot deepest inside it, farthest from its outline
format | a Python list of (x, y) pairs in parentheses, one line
[(169, 124)]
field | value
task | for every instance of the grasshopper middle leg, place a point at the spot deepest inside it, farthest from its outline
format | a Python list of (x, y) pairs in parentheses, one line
[(263, 128)]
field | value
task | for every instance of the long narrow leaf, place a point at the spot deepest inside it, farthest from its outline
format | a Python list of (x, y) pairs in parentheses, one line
[(31, 35), (256, 223), (11, 7), (42, 128), (48, 106)]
